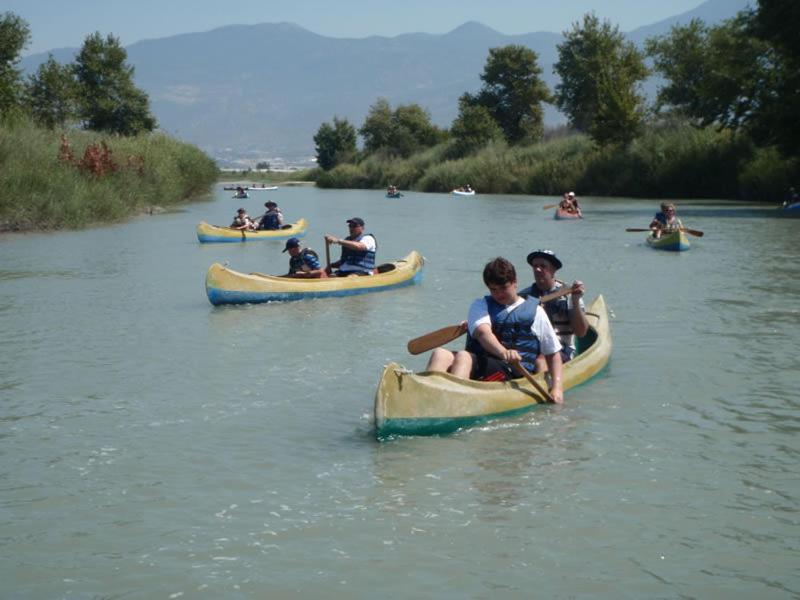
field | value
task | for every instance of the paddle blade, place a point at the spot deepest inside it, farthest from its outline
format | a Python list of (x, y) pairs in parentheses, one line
[(694, 232), (636, 229), (549, 206), (437, 338)]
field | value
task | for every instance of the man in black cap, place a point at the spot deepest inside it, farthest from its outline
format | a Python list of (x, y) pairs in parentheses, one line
[(303, 262), (566, 313), (358, 250)]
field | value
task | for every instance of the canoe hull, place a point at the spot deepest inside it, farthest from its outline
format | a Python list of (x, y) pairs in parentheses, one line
[(210, 234), (226, 286), (675, 241), (430, 403), (563, 215), (460, 193)]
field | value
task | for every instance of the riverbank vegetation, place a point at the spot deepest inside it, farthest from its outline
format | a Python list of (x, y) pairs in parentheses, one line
[(723, 124), (78, 144)]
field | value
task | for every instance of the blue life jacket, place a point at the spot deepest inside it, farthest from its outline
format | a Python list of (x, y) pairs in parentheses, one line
[(364, 260), (270, 221), (514, 330), (661, 218), (306, 256), (557, 310)]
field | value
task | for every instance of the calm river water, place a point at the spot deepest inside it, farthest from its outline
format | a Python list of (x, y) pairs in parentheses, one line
[(153, 446)]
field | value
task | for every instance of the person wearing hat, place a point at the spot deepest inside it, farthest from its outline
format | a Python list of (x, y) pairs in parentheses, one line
[(503, 328), (666, 220), (303, 262), (567, 314), (242, 222), (570, 204), (358, 250), (273, 218)]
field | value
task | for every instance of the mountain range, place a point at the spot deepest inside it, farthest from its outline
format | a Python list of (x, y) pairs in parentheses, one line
[(248, 93)]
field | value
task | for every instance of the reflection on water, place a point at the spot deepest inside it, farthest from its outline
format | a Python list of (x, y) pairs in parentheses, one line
[(155, 445)]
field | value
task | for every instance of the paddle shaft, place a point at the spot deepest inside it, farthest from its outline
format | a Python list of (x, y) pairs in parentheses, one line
[(526, 374), (549, 206), (694, 232), (328, 254), (442, 336)]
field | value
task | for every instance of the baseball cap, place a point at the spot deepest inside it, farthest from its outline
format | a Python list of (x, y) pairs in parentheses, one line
[(291, 243), (547, 255), (356, 221)]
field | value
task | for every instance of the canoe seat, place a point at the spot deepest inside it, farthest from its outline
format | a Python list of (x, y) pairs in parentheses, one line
[(384, 268)]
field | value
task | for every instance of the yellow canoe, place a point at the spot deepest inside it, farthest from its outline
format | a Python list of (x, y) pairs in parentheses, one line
[(214, 233), (675, 241), (428, 403), (226, 286)]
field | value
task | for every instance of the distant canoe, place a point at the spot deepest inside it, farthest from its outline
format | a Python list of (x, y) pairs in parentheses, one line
[(791, 210), (429, 403), (233, 188), (395, 195), (268, 188), (245, 195), (226, 286), (215, 234), (675, 241), (462, 193), (563, 215)]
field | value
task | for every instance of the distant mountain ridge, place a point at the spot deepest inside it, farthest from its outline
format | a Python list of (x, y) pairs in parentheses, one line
[(262, 91)]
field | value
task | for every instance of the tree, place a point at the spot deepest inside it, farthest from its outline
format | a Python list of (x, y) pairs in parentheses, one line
[(110, 101), (335, 143), (473, 128), (715, 75), (50, 94), (14, 36), (400, 132), (593, 60), (513, 92)]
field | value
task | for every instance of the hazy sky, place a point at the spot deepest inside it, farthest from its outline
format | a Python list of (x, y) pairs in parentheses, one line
[(66, 23)]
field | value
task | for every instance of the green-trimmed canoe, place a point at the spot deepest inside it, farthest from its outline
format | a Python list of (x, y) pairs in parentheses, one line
[(428, 403), (676, 241), (226, 286), (214, 233)]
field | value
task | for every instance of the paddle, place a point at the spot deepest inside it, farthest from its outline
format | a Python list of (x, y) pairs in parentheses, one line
[(526, 374), (549, 206), (328, 254), (694, 232), (440, 337)]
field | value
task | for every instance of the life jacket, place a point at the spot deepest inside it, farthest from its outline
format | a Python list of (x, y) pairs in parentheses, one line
[(557, 311), (296, 262), (270, 220), (514, 330), (364, 260), (661, 218)]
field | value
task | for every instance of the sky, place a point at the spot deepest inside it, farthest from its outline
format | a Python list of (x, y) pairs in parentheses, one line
[(66, 23)]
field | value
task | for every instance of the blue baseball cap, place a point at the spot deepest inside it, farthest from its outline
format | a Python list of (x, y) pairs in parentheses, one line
[(291, 243)]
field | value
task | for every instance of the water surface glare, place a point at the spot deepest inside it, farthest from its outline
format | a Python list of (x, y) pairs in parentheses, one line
[(155, 446)]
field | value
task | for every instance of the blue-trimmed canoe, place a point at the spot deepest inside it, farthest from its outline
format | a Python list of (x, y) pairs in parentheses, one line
[(395, 195), (429, 403), (214, 233), (463, 193), (226, 286), (791, 210), (675, 241)]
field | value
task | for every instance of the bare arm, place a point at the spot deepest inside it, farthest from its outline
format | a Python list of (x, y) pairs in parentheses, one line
[(554, 368), (577, 318)]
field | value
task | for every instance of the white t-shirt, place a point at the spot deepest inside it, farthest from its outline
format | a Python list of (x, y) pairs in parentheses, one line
[(369, 242), (548, 340)]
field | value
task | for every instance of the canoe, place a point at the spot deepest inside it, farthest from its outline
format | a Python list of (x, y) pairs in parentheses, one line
[(460, 193), (233, 188), (675, 241), (226, 286), (429, 403), (268, 188), (563, 215), (245, 195), (214, 233), (395, 195), (790, 210)]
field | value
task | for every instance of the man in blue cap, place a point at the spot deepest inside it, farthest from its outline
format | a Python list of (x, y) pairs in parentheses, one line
[(358, 250), (567, 314), (303, 262)]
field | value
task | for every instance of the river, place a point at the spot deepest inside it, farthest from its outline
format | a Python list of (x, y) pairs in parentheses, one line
[(155, 446)]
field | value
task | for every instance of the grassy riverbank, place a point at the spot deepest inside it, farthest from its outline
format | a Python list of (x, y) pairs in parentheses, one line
[(46, 183), (666, 162)]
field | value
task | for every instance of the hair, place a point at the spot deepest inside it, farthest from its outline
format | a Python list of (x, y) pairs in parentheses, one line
[(666, 205), (499, 271)]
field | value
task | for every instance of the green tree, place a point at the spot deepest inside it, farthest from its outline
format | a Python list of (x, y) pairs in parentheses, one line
[(50, 94), (110, 101), (473, 128), (715, 75), (335, 143), (14, 36), (400, 132), (513, 92), (593, 60)]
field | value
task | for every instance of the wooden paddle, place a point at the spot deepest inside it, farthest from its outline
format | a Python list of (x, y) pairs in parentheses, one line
[(549, 206), (526, 374), (694, 232), (328, 254), (440, 337)]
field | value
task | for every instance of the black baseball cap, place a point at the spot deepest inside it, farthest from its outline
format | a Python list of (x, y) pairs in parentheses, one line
[(546, 254)]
